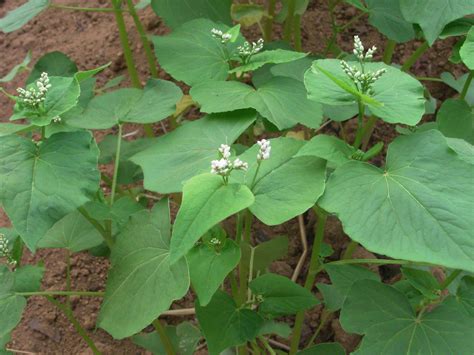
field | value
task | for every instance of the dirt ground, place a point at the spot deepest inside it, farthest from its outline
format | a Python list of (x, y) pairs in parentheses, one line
[(91, 39)]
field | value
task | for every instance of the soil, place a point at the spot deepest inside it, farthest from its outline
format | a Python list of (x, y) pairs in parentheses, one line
[(91, 40)]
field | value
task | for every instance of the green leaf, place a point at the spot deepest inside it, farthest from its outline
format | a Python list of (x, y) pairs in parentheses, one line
[(285, 186), (192, 55), (467, 50), (423, 281), (206, 202), (458, 85), (225, 325), (189, 150), (324, 349), (11, 305), (330, 148), (178, 12), (73, 232), (247, 14), (270, 327), (276, 56), (342, 278), (53, 63), (28, 278), (281, 296), (7, 129), (17, 18), (420, 201), (265, 253), (398, 98), (140, 272), (433, 15), (4, 340), (455, 119), (386, 318), (184, 338), (300, 9), (465, 294), (17, 69), (459, 27), (208, 268), (387, 17), (358, 4), (281, 100), (40, 183), (154, 103)]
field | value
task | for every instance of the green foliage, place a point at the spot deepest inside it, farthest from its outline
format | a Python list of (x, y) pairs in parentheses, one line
[(423, 281), (465, 294), (247, 14), (28, 278), (11, 305), (467, 50), (455, 119), (330, 148), (17, 18), (17, 69), (324, 349), (264, 254), (276, 56), (53, 63)]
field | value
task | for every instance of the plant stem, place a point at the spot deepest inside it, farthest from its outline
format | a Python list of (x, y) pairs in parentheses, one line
[(268, 29), (68, 279), (252, 255), (70, 316), (297, 33), (368, 130), (143, 37), (127, 51), (62, 293), (310, 277), (388, 52), (414, 57), (427, 78), (252, 185), (243, 269), (288, 30), (108, 240), (267, 346), (87, 9), (324, 317), (116, 163), (360, 125), (239, 228), (466, 86), (449, 279), (350, 250), (165, 340)]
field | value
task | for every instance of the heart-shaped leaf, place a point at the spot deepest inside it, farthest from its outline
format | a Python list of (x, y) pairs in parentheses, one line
[(17, 18)]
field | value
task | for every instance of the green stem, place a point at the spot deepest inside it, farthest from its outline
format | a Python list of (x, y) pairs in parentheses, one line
[(98, 226), (415, 56), (78, 8), (324, 317), (165, 340), (449, 279), (252, 185), (349, 23), (267, 345), (288, 30), (143, 37), (116, 164), (314, 265), (427, 78), (62, 293), (350, 250), (252, 255), (297, 33), (243, 269), (368, 130), (70, 316), (360, 125), (68, 278), (43, 133), (127, 51), (388, 52), (466, 86), (268, 29)]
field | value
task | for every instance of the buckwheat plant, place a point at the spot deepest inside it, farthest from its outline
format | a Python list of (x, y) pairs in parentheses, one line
[(247, 50), (222, 36), (224, 166), (33, 98), (5, 251)]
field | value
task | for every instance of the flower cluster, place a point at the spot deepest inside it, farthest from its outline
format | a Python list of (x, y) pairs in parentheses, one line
[(32, 98), (265, 149), (4, 251), (247, 50), (363, 80), (223, 166), (223, 37)]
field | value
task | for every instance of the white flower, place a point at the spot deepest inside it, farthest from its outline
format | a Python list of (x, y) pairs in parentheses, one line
[(240, 165), (247, 50), (215, 242), (224, 150), (221, 167), (265, 149), (370, 52), (358, 48), (3, 246), (32, 98), (223, 37)]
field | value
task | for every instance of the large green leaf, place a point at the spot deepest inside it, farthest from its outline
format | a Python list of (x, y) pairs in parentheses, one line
[(209, 267), (192, 55), (178, 12), (467, 50), (55, 64), (418, 207), (7, 129), (225, 325), (11, 305), (433, 15), (285, 186), (465, 294), (280, 100), (141, 281), (206, 202), (342, 278), (455, 119), (152, 104), (281, 296), (401, 96), (73, 232), (188, 150), (28, 278), (17, 18), (387, 17), (41, 183), (384, 315), (269, 57), (324, 349)]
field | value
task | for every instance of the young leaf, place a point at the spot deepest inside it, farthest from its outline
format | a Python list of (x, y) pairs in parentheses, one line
[(465, 294), (285, 186), (270, 327), (247, 14), (189, 150), (7, 129), (281, 100), (458, 85), (456, 120), (281, 296), (17, 69), (467, 50), (276, 56), (28, 278), (386, 318), (206, 202), (398, 98), (208, 268), (11, 305), (264, 254), (177, 12), (423, 281), (17, 18), (55, 64), (191, 54), (342, 278), (73, 232), (425, 190), (323, 349), (141, 281), (433, 15), (40, 184), (225, 325)]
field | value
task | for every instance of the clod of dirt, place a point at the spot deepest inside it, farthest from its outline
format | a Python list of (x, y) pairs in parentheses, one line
[(348, 341)]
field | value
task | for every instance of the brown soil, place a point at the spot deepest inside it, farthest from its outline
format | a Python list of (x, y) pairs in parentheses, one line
[(91, 39)]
